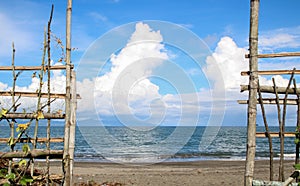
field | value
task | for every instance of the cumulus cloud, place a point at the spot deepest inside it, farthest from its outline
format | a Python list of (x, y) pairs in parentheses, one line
[(125, 88), (229, 58)]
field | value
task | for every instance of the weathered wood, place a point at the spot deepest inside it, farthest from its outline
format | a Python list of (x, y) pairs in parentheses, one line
[(275, 134), (298, 126), (36, 153), (267, 132), (39, 140), (35, 95), (272, 101), (271, 72), (253, 81), (281, 173), (283, 54), (33, 116), (66, 155), (72, 124), (270, 89), (34, 68)]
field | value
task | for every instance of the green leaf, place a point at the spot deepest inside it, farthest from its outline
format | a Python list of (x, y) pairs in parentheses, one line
[(25, 148), (25, 180), (3, 173), (10, 176), (22, 163), (297, 166), (297, 140), (6, 184)]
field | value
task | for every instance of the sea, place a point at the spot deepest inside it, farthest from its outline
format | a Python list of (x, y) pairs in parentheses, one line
[(163, 143)]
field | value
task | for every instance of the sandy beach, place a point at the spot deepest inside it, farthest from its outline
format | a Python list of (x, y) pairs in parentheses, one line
[(174, 174)]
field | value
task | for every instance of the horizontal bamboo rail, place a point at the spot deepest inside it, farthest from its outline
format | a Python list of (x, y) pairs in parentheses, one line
[(271, 72), (33, 68), (275, 134), (39, 140), (272, 101), (35, 95), (283, 54), (270, 89), (35, 153), (33, 116)]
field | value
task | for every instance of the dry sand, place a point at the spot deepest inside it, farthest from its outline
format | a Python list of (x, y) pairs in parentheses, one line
[(229, 173)]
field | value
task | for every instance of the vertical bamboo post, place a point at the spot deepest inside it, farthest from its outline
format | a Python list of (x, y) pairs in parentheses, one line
[(267, 133), (280, 130), (298, 125), (253, 80), (73, 123), (49, 91), (38, 107), (12, 123), (66, 156)]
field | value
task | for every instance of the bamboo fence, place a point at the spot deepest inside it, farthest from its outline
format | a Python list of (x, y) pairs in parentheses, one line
[(42, 111), (281, 102)]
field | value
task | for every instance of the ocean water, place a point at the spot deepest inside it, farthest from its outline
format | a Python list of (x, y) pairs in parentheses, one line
[(123, 144)]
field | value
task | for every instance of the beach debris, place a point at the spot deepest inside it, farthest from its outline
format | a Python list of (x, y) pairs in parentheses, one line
[(93, 183)]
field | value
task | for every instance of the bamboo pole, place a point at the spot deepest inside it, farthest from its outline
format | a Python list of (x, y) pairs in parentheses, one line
[(34, 94), (66, 156), (253, 80), (34, 68), (298, 125), (73, 125), (271, 72), (275, 134), (283, 129), (12, 123), (283, 54), (35, 153), (28, 139), (280, 132), (49, 96), (34, 116), (272, 101), (270, 89), (38, 107), (267, 133)]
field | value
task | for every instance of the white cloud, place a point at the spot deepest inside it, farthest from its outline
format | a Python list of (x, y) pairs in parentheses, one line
[(126, 86), (98, 17), (229, 58), (280, 39)]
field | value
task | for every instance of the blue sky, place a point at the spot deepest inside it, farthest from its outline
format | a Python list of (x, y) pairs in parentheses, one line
[(220, 27)]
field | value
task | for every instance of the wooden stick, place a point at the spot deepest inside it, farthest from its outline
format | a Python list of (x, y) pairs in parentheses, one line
[(39, 140), (275, 134), (66, 156), (283, 54), (34, 68), (272, 101), (283, 122), (73, 124), (270, 89), (267, 133), (253, 80), (49, 96), (271, 72), (281, 177), (34, 94), (34, 116), (298, 124), (35, 153)]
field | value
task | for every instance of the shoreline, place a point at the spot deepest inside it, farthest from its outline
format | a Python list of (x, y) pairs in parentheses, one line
[(206, 172)]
